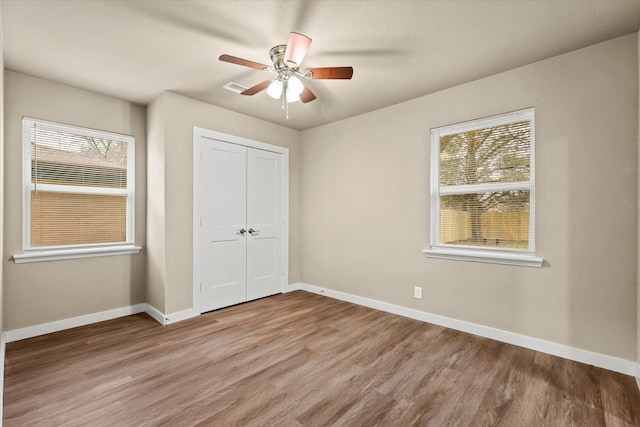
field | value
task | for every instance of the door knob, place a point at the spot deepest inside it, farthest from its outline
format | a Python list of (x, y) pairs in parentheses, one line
[(242, 231), (252, 231)]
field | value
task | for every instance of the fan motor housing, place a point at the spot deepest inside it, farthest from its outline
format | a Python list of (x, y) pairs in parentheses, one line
[(277, 56)]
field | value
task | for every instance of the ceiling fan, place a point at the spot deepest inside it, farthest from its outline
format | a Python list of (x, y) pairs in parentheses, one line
[(287, 84)]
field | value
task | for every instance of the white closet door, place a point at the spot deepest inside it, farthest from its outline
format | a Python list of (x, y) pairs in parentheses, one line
[(264, 223), (239, 222), (223, 251)]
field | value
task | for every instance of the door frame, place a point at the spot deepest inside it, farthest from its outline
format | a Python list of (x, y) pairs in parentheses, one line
[(200, 135)]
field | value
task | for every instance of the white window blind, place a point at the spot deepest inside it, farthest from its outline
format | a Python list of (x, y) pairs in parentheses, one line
[(482, 185), (78, 186)]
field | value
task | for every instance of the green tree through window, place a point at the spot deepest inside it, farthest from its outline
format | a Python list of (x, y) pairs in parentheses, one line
[(499, 154), (483, 183)]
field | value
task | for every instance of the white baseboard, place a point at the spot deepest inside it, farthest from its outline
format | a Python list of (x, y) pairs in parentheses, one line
[(179, 316), (155, 314), (611, 363), (292, 287), (170, 318), (74, 322)]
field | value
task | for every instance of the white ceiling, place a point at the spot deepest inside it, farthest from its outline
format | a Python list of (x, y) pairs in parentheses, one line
[(400, 50)]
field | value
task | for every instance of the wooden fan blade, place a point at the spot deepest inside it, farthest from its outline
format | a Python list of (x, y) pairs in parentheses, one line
[(307, 95), (331, 72), (257, 88), (243, 62), (297, 47)]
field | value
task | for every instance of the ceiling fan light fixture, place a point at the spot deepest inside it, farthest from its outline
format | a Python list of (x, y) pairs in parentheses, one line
[(295, 85), (292, 96), (275, 89), (287, 85), (294, 89)]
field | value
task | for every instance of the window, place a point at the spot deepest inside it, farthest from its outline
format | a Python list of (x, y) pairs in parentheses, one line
[(78, 192), (482, 190)]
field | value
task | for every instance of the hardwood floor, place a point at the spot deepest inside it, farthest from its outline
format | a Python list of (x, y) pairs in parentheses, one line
[(300, 359)]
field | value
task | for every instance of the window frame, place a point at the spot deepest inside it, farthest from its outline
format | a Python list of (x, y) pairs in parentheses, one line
[(51, 253), (510, 256)]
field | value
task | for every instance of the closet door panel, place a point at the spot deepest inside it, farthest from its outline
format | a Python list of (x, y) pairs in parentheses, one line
[(223, 194), (264, 222)]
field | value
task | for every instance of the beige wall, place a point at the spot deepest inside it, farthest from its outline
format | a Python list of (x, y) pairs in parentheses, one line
[(1, 164), (359, 197), (171, 122), (155, 221), (365, 203), (42, 292)]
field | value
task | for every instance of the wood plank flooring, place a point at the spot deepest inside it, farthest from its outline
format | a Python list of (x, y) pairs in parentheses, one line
[(300, 359)]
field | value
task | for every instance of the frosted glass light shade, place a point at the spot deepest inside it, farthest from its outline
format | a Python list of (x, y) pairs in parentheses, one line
[(292, 96), (294, 85), (294, 89), (275, 89)]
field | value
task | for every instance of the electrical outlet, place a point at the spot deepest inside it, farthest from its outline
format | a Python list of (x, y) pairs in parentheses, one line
[(417, 292)]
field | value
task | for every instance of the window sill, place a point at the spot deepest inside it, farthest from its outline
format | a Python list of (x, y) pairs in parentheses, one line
[(508, 258), (60, 254)]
